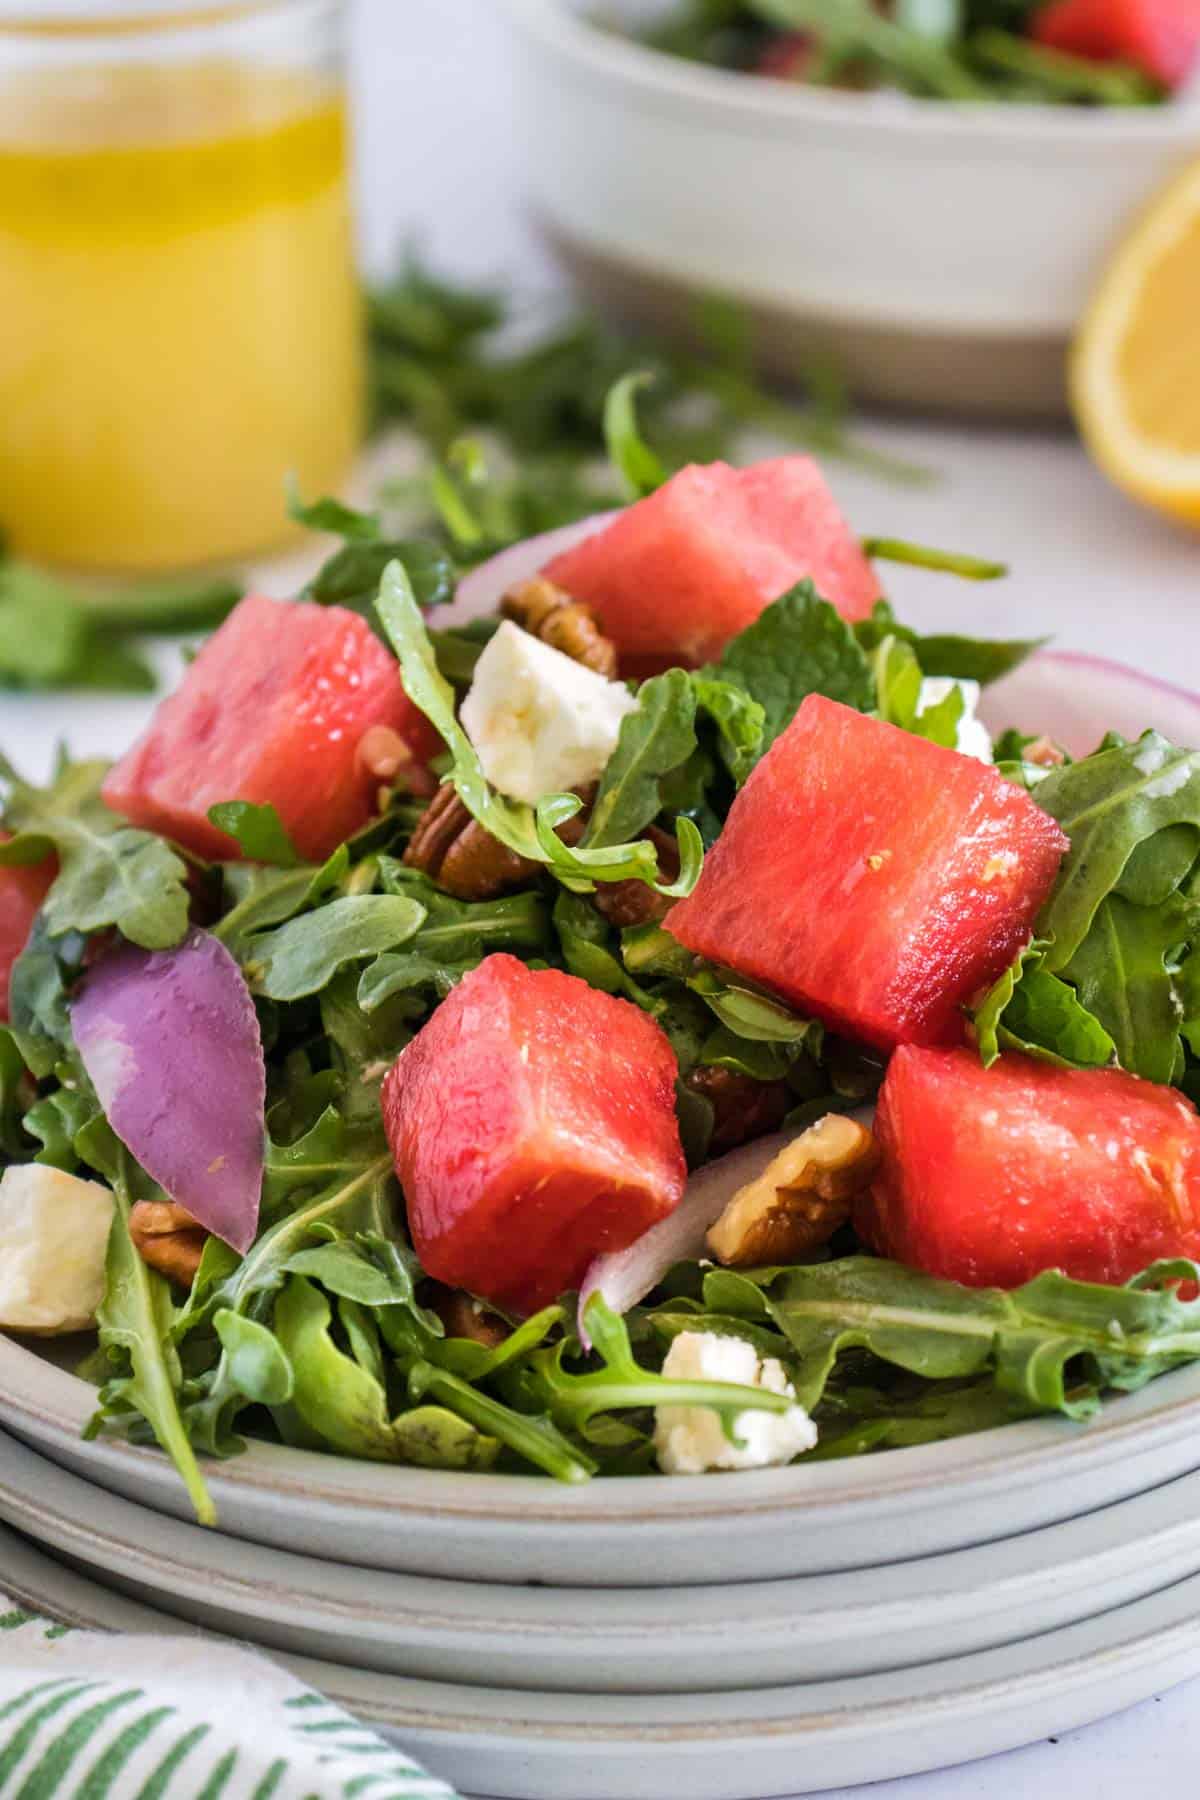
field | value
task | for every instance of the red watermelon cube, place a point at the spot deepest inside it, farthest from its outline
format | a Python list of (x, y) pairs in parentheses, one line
[(272, 711), (532, 1122), (1160, 37), (22, 891), (871, 878), (989, 1176), (673, 578)]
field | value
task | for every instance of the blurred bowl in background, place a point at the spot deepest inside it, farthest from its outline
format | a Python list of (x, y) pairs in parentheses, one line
[(941, 252)]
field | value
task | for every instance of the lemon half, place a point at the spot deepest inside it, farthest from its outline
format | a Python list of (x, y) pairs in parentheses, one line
[(1135, 365)]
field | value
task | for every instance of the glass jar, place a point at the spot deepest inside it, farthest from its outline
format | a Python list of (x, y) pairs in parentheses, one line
[(180, 326)]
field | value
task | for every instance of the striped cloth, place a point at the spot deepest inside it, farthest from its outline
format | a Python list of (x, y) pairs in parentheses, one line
[(86, 1716)]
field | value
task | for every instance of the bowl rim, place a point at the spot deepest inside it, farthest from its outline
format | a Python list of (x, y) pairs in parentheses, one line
[(45, 1404), (775, 108)]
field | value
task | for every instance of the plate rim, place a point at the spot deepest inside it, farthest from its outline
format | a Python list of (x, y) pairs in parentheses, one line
[(1006, 1456)]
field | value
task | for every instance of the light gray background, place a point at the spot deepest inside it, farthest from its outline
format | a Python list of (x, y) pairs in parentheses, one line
[(440, 157)]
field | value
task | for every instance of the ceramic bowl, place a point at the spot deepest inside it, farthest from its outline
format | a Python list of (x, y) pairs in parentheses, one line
[(942, 252)]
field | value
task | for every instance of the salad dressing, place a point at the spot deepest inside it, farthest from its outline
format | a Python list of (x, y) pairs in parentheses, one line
[(181, 317)]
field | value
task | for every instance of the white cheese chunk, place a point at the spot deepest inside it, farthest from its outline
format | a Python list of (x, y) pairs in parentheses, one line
[(53, 1236), (541, 723), (973, 737), (689, 1440)]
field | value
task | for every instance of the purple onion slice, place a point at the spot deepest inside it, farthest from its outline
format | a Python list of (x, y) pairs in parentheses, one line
[(1075, 698), (171, 1044)]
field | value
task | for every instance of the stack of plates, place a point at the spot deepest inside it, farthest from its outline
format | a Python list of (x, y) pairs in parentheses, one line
[(769, 1633)]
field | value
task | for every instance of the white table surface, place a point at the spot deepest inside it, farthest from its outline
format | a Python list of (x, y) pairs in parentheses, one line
[(439, 160)]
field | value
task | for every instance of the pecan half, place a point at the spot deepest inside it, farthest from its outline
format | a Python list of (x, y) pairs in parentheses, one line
[(387, 759), (625, 903), (566, 624), (464, 1317), (168, 1239), (457, 852), (800, 1199), (742, 1108), (1045, 753)]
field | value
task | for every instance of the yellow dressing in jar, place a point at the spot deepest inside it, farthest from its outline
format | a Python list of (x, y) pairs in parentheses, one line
[(179, 314)]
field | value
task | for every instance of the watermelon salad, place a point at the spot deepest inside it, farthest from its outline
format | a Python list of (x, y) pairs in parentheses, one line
[(1041, 52), (647, 1014)]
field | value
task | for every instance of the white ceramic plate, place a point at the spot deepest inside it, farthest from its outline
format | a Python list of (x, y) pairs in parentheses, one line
[(653, 1531), (720, 1746), (818, 1628)]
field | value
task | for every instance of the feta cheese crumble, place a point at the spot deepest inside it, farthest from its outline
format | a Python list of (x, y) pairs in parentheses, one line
[(973, 737), (541, 723), (689, 1440), (53, 1237)]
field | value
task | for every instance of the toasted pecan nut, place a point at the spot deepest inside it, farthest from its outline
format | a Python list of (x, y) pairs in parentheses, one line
[(625, 903), (742, 1107), (457, 852), (464, 1317), (800, 1199), (1045, 753), (569, 625), (168, 1239)]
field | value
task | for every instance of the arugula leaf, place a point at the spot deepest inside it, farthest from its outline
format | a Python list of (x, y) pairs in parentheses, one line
[(1159, 866), (455, 931), (653, 741), (589, 950), (1053, 1344), (334, 1395), (364, 1043), (109, 874), (575, 1400), (749, 1014), (56, 1121), (38, 996), (259, 1366), (264, 896), (1031, 1010), (15, 1093), (332, 515), (739, 719), (920, 556), (135, 1319), (960, 658), (258, 830), (352, 574), (303, 956), (800, 645), (1108, 804), (639, 467), (1125, 977)]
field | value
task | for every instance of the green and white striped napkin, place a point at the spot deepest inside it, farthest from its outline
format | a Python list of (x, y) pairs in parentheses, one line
[(86, 1716)]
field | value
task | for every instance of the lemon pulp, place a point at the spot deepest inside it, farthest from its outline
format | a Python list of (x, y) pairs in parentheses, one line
[(1159, 354)]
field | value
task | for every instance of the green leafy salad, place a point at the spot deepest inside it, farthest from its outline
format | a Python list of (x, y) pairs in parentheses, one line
[(1040, 52), (359, 1012)]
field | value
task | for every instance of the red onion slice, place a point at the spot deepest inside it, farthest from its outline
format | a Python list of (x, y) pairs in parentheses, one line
[(1075, 699), (171, 1044), (481, 592), (624, 1277)]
